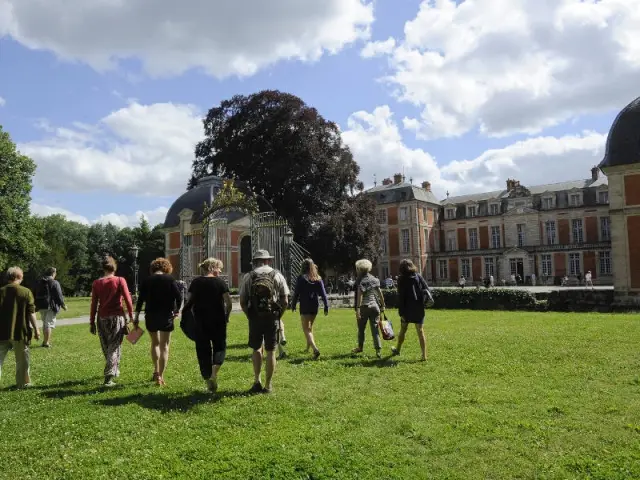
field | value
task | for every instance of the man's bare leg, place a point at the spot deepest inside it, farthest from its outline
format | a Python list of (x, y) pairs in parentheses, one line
[(271, 368)]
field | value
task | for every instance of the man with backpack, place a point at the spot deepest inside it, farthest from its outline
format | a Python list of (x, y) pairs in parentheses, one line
[(49, 300), (264, 298)]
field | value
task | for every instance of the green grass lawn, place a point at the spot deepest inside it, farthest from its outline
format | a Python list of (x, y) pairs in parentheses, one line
[(503, 396), (76, 307)]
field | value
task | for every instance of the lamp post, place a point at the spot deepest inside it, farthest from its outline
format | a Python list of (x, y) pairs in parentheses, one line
[(288, 240), (134, 251)]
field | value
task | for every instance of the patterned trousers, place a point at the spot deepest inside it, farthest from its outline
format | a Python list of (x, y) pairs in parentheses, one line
[(111, 333)]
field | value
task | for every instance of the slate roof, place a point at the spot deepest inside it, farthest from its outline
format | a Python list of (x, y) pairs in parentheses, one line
[(195, 200), (623, 142), (401, 192), (535, 190)]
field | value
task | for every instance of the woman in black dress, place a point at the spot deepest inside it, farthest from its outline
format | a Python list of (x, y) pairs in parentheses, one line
[(411, 300), (162, 299), (211, 303)]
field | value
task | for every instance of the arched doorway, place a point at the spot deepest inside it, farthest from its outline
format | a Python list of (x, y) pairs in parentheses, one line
[(245, 254)]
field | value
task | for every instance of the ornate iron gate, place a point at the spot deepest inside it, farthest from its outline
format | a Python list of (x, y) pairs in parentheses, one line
[(271, 232), (218, 242), (192, 253)]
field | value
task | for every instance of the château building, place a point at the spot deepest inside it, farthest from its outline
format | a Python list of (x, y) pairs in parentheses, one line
[(548, 230)]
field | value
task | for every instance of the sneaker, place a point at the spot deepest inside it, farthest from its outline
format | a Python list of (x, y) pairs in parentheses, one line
[(267, 390), (378, 354), (395, 352), (282, 355), (26, 386), (46, 345), (283, 342), (109, 383), (212, 385), (316, 354), (256, 388), (357, 350)]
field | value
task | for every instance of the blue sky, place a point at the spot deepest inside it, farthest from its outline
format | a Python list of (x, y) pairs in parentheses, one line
[(463, 94)]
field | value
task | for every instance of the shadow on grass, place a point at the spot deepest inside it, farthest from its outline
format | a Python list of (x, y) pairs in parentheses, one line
[(237, 346), (166, 404), (238, 358), (385, 362), (68, 384)]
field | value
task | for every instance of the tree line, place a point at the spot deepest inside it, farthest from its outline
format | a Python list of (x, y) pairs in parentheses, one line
[(271, 143)]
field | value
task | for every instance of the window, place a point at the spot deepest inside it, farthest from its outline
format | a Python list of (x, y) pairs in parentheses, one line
[(382, 216), (494, 209), (495, 237), (473, 239), (466, 270), (574, 199), (605, 229), (404, 214), (574, 264), (383, 243), (451, 213), (489, 267), (547, 203), (576, 230), (443, 269), (451, 240), (603, 197), (406, 241), (550, 227), (605, 263), (545, 261), (426, 240), (521, 240), (424, 214), (471, 211), (513, 266), (385, 271)]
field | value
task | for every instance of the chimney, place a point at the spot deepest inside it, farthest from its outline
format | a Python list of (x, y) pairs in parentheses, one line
[(595, 173), (511, 184), (426, 186), (397, 178), (387, 181)]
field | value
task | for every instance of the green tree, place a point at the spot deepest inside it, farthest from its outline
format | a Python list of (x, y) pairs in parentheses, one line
[(20, 239), (279, 148), (340, 239), (65, 248)]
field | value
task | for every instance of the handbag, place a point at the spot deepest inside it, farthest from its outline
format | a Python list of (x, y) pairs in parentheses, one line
[(134, 335), (386, 328), (426, 293), (188, 324)]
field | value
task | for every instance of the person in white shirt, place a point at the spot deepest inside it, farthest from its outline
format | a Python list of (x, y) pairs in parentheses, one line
[(588, 280), (533, 279)]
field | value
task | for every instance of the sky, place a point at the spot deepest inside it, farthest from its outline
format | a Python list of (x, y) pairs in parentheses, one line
[(108, 96)]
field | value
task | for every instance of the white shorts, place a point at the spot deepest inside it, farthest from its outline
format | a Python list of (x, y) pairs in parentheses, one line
[(48, 319)]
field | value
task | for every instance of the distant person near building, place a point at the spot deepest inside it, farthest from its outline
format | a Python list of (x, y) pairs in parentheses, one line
[(49, 300), (588, 279), (388, 283), (263, 298), (462, 282), (533, 279), (17, 325)]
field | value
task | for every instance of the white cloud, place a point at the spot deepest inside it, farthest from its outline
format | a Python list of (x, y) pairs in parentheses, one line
[(507, 66), (3, 102), (378, 147), (139, 149), (221, 37), (154, 217), (375, 49)]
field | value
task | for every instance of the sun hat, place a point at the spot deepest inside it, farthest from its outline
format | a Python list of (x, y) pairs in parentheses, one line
[(262, 255)]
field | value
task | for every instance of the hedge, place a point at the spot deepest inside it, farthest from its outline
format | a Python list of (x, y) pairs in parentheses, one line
[(474, 299)]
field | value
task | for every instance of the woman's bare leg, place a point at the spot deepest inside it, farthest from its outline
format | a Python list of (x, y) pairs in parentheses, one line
[(163, 359), (307, 328), (423, 340), (155, 352)]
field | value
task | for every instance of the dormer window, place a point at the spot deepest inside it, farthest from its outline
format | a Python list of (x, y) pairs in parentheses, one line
[(450, 213), (472, 210), (494, 209), (603, 197), (575, 199), (547, 203)]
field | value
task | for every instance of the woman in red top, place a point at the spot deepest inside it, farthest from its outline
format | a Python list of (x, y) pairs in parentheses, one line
[(106, 301)]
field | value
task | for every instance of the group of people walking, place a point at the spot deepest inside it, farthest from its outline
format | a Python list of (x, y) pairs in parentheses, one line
[(264, 297)]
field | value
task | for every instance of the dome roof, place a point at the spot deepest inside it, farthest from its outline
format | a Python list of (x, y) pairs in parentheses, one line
[(623, 143), (195, 199)]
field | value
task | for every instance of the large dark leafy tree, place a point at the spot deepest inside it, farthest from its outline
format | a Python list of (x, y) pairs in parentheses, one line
[(20, 239), (278, 147), (348, 235)]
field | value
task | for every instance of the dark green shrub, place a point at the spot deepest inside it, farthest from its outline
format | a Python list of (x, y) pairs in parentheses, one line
[(474, 298)]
